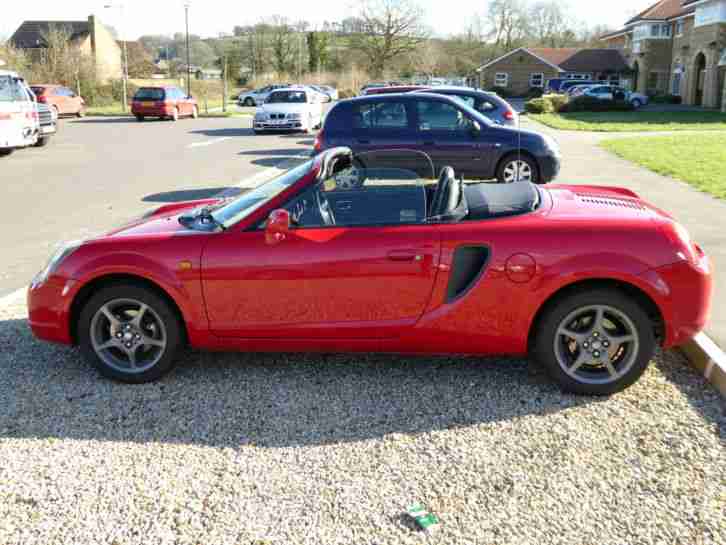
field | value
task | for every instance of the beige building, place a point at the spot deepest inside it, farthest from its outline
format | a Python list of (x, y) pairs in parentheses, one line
[(90, 36), (524, 69), (677, 47)]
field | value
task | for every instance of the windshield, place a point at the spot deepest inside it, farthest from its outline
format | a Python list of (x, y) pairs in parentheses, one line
[(247, 203), (295, 97), (11, 90), (149, 93)]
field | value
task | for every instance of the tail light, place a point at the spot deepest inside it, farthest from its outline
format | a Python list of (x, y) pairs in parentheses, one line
[(42, 98), (318, 146), (509, 115)]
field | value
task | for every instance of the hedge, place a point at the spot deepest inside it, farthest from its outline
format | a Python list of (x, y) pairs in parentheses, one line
[(546, 104), (591, 104)]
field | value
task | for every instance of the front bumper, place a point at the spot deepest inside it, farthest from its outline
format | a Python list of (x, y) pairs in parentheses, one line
[(49, 307), (289, 125)]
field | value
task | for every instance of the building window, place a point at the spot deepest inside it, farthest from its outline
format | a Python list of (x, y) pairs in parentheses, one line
[(501, 79), (665, 30), (680, 26), (536, 80), (654, 31)]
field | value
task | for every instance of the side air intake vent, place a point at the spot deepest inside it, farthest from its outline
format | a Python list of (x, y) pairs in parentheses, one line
[(469, 264), (610, 201)]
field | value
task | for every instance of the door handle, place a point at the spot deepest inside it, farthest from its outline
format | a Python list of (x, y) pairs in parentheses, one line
[(405, 255)]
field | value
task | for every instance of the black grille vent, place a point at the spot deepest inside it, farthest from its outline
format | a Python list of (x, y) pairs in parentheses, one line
[(610, 201)]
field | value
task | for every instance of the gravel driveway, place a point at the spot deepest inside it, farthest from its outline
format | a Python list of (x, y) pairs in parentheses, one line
[(290, 449)]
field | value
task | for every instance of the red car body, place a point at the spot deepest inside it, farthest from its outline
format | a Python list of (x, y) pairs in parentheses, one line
[(354, 289), (64, 100), (167, 102)]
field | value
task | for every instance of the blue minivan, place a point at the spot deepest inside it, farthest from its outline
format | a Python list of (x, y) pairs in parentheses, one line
[(447, 130)]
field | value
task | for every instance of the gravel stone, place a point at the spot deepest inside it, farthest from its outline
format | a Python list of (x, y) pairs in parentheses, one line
[(304, 449)]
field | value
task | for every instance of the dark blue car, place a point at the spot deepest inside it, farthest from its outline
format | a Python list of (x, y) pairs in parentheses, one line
[(447, 130)]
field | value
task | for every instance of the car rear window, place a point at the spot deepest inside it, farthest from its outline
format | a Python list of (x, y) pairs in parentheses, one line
[(149, 93), (286, 97), (380, 115)]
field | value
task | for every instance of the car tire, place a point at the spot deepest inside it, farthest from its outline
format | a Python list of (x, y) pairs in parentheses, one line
[(507, 169), (573, 361), (636, 103), (249, 102), (6, 152), (81, 113), (42, 141), (195, 112), (139, 118), (159, 323)]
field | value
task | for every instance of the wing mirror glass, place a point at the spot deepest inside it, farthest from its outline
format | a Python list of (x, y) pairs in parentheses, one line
[(278, 226)]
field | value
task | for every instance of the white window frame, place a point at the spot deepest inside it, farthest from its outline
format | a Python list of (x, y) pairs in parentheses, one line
[(680, 27), (540, 75), (501, 75)]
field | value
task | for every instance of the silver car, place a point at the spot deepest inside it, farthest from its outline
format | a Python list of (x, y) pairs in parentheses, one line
[(613, 92), (258, 96)]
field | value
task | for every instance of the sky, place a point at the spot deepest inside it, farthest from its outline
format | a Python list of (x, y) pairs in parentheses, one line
[(210, 17)]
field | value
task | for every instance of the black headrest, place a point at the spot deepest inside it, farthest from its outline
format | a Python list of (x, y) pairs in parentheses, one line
[(440, 200)]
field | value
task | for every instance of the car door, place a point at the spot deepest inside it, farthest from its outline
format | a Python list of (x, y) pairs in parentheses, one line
[(445, 133), (369, 276), (382, 124)]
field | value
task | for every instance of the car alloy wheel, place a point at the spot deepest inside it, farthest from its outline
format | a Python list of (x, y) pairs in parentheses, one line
[(596, 344), (517, 171), (128, 336)]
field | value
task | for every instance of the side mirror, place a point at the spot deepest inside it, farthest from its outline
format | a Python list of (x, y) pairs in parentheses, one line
[(278, 226)]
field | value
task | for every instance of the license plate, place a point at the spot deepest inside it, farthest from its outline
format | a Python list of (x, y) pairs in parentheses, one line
[(147, 104), (278, 121)]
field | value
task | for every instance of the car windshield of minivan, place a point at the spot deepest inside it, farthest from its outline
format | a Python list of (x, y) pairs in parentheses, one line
[(244, 205), (149, 94), (297, 97), (11, 90)]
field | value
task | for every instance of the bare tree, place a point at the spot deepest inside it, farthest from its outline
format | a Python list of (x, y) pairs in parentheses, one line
[(549, 24), (390, 28), (282, 40), (509, 23)]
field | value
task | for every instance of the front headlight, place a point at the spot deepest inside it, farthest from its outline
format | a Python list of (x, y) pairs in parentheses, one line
[(294, 116), (61, 252)]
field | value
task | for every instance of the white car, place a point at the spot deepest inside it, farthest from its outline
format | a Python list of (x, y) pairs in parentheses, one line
[(331, 93), (258, 96), (290, 109), (613, 92), (19, 125)]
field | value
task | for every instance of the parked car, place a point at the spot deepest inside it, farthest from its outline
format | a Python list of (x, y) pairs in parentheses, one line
[(553, 85), (48, 121), (614, 92), (19, 125), (168, 102), (491, 105), (257, 97), (373, 85), (565, 85), (296, 109), (445, 128), (329, 93), (577, 90), (391, 89), (62, 99), (305, 263)]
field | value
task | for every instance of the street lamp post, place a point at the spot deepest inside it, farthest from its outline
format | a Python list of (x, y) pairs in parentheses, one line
[(125, 79), (189, 68)]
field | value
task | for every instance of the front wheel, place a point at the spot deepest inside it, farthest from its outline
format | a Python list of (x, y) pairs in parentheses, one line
[(5, 152), (195, 112), (130, 334), (249, 102), (517, 169), (42, 141), (595, 342)]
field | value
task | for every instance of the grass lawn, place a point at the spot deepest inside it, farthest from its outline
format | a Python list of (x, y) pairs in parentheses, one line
[(634, 121), (696, 159)]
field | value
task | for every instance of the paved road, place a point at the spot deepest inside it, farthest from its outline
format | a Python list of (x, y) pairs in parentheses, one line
[(99, 172)]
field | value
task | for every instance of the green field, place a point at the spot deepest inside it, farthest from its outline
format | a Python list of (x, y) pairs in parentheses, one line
[(634, 121), (696, 159)]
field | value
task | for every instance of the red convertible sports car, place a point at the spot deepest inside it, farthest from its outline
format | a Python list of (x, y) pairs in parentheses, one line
[(370, 254)]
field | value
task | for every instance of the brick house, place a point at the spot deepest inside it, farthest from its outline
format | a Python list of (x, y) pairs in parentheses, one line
[(677, 47), (90, 36), (526, 68)]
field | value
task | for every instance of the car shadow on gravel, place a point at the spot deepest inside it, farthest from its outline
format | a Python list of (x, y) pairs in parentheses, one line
[(104, 120), (287, 152), (193, 194)]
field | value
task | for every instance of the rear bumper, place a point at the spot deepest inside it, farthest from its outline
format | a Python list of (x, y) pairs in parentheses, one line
[(153, 112), (549, 167), (687, 290)]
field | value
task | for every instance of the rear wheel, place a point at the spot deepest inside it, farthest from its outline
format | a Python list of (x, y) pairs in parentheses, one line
[(130, 334), (517, 169), (596, 342), (5, 152)]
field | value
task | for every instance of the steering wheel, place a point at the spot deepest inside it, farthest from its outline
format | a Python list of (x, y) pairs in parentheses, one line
[(326, 212)]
